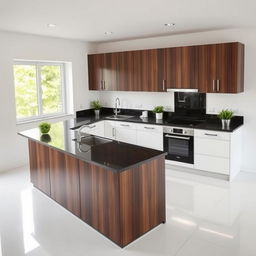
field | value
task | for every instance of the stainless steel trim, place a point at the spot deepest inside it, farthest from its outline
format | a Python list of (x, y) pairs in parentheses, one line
[(101, 85), (150, 128), (163, 85), (182, 90), (218, 85), (177, 137), (104, 85), (113, 132), (211, 134), (126, 125), (213, 85)]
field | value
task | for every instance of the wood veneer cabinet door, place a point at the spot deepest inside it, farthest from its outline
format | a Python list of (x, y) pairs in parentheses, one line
[(181, 67), (95, 71), (148, 70), (221, 68), (65, 187), (39, 166), (230, 68), (111, 71), (100, 200)]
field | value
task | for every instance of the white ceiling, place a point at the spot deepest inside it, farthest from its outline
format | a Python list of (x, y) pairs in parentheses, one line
[(88, 19)]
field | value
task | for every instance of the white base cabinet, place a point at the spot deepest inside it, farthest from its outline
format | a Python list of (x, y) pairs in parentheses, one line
[(150, 136), (217, 152)]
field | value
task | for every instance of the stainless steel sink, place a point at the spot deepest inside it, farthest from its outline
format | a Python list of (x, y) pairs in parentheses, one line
[(118, 117)]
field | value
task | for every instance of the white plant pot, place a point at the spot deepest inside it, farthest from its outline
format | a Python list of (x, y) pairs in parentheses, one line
[(159, 116), (97, 113), (225, 123)]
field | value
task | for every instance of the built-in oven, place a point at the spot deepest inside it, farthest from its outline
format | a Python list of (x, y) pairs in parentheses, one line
[(179, 144)]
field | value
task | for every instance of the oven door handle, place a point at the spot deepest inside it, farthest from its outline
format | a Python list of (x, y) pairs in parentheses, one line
[(177, 137)]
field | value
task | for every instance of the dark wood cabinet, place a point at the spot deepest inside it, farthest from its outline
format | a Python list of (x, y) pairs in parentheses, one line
[(221, 68), (181, 67), (95, 71), (121, 205), (39, 167), (64, 177), (215, 68)]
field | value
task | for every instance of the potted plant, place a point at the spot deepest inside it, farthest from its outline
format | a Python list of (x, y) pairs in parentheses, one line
[(96, 106), (158, 110), (225, 115), (44, 127)]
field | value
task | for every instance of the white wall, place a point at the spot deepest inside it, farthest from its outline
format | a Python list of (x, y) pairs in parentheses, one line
[(243, 104), (13, 148)]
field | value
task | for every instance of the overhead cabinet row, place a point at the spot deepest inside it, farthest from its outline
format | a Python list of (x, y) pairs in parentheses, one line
[(215, 68)]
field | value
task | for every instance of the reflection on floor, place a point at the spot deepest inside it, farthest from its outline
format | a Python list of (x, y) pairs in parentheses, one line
[(205, 217)]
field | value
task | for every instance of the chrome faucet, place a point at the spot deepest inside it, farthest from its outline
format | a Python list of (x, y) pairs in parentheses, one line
[(79, 136), (117, 103)]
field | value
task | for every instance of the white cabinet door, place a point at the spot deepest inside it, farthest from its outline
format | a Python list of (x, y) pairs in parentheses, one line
[(95, 129), (109, 131), (212, 164), (212, 147), (150, 139), (126, 132)]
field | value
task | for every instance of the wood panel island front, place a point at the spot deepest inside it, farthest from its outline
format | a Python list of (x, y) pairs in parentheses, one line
[(117, 188)]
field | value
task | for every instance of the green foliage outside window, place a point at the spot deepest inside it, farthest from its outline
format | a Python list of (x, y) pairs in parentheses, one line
[(38, 90)]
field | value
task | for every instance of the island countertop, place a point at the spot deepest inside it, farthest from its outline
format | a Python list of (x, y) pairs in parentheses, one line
[(111, 155)]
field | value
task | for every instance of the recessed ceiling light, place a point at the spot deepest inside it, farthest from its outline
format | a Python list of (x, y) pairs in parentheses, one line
[(51, 25), (169, 24), (108, 33)]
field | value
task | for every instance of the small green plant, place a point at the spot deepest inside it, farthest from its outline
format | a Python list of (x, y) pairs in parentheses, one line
[(225, 114), (158, 109), (44, 127), (96, 105)]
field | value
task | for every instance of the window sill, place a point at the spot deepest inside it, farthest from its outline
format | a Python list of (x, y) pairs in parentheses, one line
[(34, 121)]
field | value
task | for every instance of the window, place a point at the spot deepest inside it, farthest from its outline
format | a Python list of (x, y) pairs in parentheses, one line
[(39, 90)]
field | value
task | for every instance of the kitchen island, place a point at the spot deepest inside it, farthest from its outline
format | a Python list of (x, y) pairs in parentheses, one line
[(117, 188)]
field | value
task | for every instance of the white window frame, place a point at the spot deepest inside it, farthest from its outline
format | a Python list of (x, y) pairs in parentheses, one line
[(40, 115)]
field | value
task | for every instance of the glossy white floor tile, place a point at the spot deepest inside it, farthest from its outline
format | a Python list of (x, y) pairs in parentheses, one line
[(205, 216)]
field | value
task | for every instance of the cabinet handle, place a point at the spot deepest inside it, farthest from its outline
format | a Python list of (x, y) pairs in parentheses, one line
[(101, 85), (104, 85), (93, 126), (177, 137), (163, 84), (218, 85), (149, 128), (211, 134), (113, 132), (213, 85), (126, 125)]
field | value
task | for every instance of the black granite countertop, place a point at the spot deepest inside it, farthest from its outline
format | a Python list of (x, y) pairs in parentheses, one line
[(208, 122), (111, 155)]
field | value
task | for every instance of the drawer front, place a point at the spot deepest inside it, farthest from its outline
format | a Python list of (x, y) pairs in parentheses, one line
[(149, 128), (205, 146), (125, 135), (126, 125), (212, 134), (212, 164), (150, 140)]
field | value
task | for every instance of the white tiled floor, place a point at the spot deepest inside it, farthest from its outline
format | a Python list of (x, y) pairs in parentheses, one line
[(205, 217)]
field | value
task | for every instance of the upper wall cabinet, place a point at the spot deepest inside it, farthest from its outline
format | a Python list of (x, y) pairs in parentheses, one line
[(181, 67), (221, 68), (127, 71), (216, 68)]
